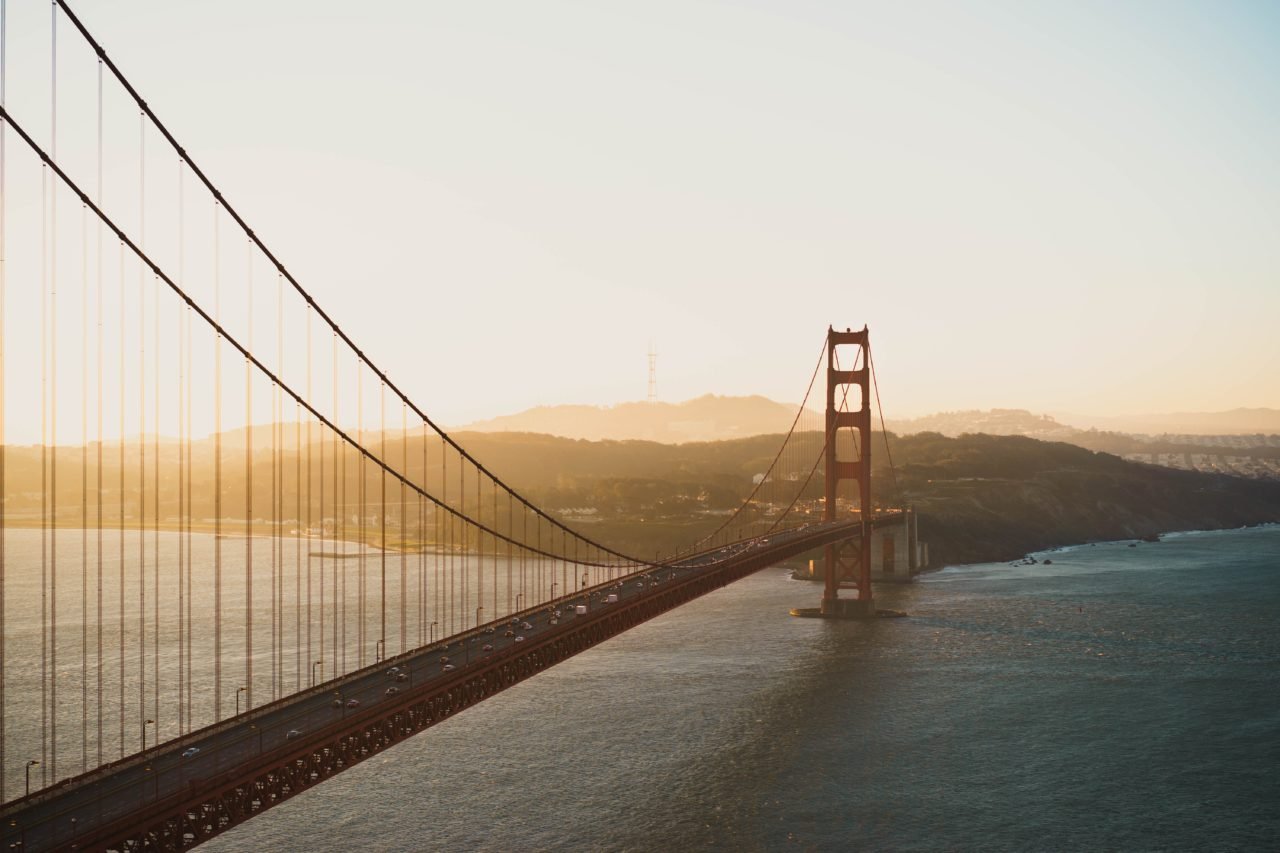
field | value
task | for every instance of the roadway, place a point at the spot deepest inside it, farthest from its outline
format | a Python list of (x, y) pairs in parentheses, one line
[(52, 818)]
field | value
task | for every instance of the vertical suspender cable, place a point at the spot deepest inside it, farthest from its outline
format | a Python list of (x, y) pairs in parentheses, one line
[(524, 553), (445, 583), (494, 541), (324, 435), (84, 488), (297, 546), (338, 609), (511, 521), (277, 506), (217, 469), (4, 14), (248, 490), (44, 475), (120, 533), (98, 480), (320, 504), (190, 394), (306, 531), (382, 512), (404, 465), (53, 411), (340, 601), (182, 472), (360, 632), (156, 361), (421, 552), (464, 598), (142, 435)]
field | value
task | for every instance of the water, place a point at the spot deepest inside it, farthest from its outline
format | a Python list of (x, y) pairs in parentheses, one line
[(1119, 699), (309, 613)]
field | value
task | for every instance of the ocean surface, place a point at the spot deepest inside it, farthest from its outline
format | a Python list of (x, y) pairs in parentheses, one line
[(1121, 698)]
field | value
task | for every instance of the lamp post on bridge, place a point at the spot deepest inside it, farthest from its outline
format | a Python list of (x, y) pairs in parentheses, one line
[(478, 609), (146, 723), (30, 764), (313, 671), (379, 648), (553, 590), (239, 690), (519, 595), (431, 636)]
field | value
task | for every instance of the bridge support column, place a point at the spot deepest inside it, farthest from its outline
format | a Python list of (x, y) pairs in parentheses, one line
[(850, 560)]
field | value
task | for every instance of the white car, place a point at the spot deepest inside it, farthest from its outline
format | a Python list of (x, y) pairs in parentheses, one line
[(519, 639), (191, 753), (292, 733)]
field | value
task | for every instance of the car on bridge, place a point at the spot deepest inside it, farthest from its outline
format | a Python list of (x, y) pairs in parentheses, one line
[(191, 753), (353, 703)]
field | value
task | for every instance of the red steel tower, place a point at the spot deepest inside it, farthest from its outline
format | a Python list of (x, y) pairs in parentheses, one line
[(849, 560)]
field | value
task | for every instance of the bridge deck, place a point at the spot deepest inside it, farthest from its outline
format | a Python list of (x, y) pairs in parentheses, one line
[(160, 799)]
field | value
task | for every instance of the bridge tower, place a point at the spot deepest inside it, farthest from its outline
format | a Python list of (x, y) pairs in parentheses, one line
[(849, 560)]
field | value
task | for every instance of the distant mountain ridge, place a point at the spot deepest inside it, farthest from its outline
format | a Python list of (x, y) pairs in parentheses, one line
[(1257, 421), (705, 418), (716, 418)]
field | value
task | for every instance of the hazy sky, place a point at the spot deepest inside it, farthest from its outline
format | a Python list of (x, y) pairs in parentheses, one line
[(1069, 207)]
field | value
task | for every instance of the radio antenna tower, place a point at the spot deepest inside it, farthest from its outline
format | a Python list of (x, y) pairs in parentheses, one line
[(653, 374)]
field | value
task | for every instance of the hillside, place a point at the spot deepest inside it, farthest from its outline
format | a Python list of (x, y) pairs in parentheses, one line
[(989, 421), (988, 497), (981, 497)]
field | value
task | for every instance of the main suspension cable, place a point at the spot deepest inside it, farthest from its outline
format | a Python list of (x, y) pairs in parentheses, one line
[(310, 300)]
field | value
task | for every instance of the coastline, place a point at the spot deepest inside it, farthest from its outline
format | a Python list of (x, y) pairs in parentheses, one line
[(1039, 557)]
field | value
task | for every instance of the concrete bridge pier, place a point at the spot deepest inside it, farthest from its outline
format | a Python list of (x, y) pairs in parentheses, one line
[(897, 555)]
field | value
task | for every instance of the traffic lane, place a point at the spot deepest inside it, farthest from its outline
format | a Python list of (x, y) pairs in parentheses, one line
[(169, 772)]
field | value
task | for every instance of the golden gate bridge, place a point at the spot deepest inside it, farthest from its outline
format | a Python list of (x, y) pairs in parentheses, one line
[(235, 557)]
